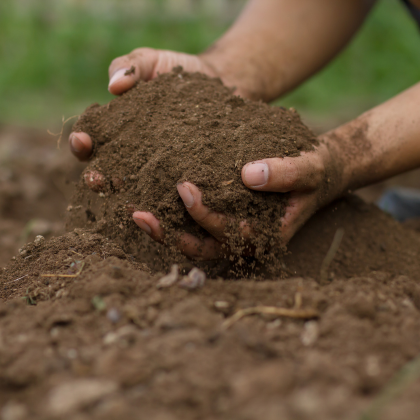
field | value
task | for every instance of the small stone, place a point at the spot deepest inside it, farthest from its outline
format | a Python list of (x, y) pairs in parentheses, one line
[(102, 195), (72, 353), (39, 239), (23, 252), (113, 315), (195, 279), (169, 279), (124, 335), (310, 333), (221, 304)]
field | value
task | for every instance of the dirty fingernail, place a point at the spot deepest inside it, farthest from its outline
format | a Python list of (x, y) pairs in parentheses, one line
[(256, 174), (119, 74), (143, 225), (185, 194), (76, 145)]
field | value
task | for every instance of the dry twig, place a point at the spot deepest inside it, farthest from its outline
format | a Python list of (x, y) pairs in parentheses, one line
[(76, 253), (64, 275), (20, 278), (272, 310), (331, 254)]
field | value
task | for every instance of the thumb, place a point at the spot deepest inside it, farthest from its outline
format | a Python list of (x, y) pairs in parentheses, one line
[(125, 71), (302, 173)]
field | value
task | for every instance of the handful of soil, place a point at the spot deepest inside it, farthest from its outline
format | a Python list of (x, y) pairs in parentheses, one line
[(189, 127)]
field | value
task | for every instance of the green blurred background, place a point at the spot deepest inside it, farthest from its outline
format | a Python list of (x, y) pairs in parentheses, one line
[(54, 54)]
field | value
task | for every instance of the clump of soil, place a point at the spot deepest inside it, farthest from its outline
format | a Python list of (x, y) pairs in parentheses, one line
[(189, 127)]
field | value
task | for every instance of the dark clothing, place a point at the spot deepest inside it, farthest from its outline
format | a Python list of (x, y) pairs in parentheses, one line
[(401, 203)]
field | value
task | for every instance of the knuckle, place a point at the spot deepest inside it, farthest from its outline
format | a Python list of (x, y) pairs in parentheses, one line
[(201, 216)]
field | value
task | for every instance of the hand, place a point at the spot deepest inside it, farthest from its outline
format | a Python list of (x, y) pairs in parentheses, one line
[(307, 179), (141, 64)]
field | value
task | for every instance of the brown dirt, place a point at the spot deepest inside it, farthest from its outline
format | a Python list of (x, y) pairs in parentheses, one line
[(105, 343), (36, 184), (188, 127)]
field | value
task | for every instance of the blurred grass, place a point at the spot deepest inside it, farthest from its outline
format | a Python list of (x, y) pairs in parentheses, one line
[(54, 60)]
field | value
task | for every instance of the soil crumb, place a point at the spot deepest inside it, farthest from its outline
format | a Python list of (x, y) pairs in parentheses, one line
[(189, 127)]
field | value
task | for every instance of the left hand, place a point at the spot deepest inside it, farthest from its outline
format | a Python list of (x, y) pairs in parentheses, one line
[(307, 178)]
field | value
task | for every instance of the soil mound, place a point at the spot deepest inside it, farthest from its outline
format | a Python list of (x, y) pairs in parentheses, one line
[(86, 334), (106, 343), (189, 127)]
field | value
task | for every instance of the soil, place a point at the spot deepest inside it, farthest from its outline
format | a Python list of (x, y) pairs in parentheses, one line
[(85, 333), (189, 127)]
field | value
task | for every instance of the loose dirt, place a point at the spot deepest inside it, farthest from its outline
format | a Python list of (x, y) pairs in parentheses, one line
[(188, 127), (85, 333)]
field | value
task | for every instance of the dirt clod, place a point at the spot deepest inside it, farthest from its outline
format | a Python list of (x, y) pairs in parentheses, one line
[(188, 127)]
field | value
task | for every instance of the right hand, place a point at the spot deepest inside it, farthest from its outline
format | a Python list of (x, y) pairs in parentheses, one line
[(147, 63)]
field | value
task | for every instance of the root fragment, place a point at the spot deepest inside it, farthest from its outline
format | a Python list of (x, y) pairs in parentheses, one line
[(272, 310), (65, 275), (60, 134)]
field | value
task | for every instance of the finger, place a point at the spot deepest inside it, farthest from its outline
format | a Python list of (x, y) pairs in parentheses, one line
[(81, 145), (198, 249), (125, 71), (213, 222), (94, 180), (302, 173), (147, 222), (299, 209), (188, 244)]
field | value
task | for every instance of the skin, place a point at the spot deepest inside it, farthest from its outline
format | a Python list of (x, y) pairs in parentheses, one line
[(264, 55)]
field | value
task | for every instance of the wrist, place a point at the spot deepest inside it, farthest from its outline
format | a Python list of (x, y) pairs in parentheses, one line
[(237, 70), (336, 179)]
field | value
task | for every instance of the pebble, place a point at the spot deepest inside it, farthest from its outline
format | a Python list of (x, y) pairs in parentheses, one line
[(195, 279), (169, 279), (39, 239), (310, 333), (221, 304), (113, 315)]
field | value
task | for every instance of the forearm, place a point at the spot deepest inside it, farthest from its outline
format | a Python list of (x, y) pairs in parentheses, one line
[(381, 143), (276, 44)]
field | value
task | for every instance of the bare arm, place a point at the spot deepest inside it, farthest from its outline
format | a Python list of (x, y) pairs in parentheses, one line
[(277, 44), (271, 48), (381, 143)]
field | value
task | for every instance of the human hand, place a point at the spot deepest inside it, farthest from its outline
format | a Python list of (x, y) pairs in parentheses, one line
[(311, 179), (141, 64)]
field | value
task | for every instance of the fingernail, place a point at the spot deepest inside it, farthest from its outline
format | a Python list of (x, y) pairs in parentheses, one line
[(186, 195), (76, 145), (119, 74), (256, 174), (143, 225)]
